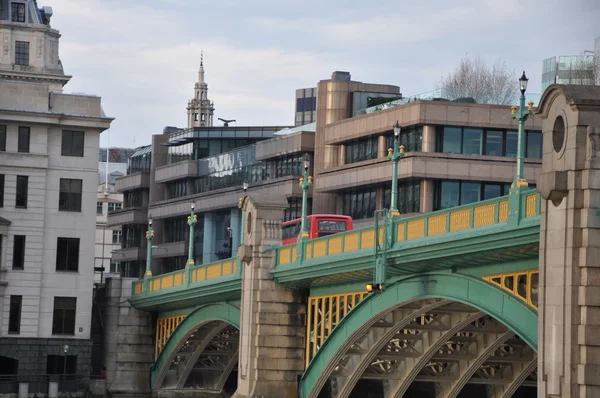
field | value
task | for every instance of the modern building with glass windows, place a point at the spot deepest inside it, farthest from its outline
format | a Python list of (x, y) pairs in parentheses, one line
[(574, 69), (455, 153), (49, 143)]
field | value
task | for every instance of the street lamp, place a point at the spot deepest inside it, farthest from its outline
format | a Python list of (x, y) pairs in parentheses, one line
[(395, 154), (305, 183), (149, 237), (65, 349), (191, 220), (521, 115), (245, 186)]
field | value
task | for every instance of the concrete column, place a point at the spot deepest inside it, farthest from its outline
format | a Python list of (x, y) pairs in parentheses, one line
[(569, 251), (128, 337), (235, 230), (342, 155), (23, 390), (272, 332), (429, 137), (427, 196), (380, 198), (210, 229), (382, 151)]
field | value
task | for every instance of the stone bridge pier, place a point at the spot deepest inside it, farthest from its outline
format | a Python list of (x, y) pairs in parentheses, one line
[(569, 311)]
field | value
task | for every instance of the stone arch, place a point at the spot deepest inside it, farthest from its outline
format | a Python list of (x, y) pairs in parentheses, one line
[(190, 339), (436, 290)]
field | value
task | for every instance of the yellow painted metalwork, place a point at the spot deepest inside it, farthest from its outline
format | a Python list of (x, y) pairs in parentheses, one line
[(319, 248), (178, 279), (460, 220), (530, 205), (416, 229), (503, 212), (323, 315), (436, 225), (484, 215), (400, 232), (227, 268), (351, 242), (294, 253), (138, 287), (308, 248), (213, 271), (522, 284), (367, 239), (164, 328), (335, 245), (285, 255)]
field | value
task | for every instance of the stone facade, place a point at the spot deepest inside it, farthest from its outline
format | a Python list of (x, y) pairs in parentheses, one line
[(272, 333), (129, 346), (569, 321)]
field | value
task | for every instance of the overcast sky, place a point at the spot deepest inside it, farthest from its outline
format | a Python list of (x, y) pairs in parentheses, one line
[(142, 56)]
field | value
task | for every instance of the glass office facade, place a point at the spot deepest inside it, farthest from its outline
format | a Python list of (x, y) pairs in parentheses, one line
[(291, 165), (411, 137), (202, 142), (140, 161), (451, 193), (492, 142), (361, 149), (367, 148), (360, 203)]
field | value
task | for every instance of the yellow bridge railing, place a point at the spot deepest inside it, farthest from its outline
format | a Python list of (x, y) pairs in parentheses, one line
[(522, 284), (185, 277), (462, 218)]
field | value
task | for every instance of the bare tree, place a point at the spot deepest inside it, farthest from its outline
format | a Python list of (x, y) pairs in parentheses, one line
[(486, 85)]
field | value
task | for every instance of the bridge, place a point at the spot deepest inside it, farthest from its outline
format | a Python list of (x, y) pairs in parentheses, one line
[(444, 304), (458, 311)]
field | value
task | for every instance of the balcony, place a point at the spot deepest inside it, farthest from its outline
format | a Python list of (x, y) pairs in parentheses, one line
[(133, 215), (171, 249), (129, 254), (133, 181), (176, 171)]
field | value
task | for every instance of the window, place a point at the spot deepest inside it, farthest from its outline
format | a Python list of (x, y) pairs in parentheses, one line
[(72, 143), (22, 53), (69, 198), (2, 138), (22, 188), (116, 236), (14, 317), (294, 209), (18, 12), (114, 268), (19, 252), (67, 254), (195, 117), (99, 208), (360, 204), (136, 198), (203, 115), (114, 206), (1, 190), (450, 193), (361, 149), (63, 319), (175, 229), (472, 141), (23, 145), (409, 196), (410, 137), (176, 189), (289, 166), (61, 364)]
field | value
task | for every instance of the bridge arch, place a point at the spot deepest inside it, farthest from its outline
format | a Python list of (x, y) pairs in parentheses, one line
[(471, 307), (207, 336)]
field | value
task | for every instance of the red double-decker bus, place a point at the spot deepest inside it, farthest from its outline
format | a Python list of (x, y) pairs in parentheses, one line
[(318, 225)]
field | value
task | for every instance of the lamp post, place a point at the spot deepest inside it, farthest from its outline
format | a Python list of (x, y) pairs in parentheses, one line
[(521, 115), (149, 237), (65, 349), (191, 220), (395, 154), (245, 188), (305, 183)]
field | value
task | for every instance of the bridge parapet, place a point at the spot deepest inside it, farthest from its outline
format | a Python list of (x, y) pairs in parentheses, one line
[(217, 280), (486, 218)]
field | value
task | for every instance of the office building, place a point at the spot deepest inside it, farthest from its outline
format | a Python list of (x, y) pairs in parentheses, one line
[(49, 143), (455, 153), (115, 159), (574, 69)]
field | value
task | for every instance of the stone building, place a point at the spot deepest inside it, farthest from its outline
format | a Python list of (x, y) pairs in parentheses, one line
[(200, 109), (49, 144)]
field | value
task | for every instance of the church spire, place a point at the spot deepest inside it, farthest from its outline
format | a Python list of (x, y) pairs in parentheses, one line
[(201, 70), (200, 108)]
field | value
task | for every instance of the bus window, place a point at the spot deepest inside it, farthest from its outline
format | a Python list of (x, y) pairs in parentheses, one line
[(330, 225)]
